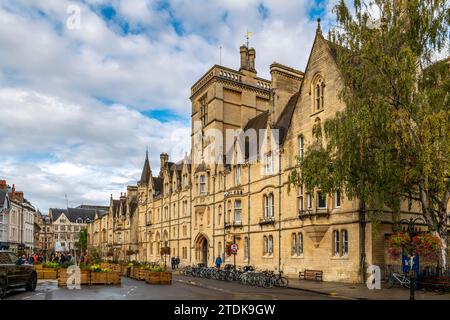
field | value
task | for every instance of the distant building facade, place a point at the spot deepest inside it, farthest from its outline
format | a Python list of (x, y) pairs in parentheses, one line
[(18, 220), (5, 207), (66, 225)]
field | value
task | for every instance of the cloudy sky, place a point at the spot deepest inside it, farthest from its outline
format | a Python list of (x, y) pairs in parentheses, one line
[(78, 106)]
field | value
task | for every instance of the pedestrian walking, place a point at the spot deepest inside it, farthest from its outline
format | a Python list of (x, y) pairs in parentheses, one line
[(173, 262), (177, 262), (218, 262)]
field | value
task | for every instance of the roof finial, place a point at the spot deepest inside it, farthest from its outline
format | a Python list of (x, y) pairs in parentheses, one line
[(318, 26), (146, 154)]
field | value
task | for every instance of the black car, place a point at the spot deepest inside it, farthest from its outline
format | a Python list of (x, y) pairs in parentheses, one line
[(15, 274)]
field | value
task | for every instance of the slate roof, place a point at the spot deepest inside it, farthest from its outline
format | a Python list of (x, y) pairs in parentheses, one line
[(258, 122), (284, 120), (158, 184), (75, 213)]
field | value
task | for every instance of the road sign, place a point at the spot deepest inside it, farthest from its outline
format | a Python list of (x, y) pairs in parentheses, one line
[(234, 248)]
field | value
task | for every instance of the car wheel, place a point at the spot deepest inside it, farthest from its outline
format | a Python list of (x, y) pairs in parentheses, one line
[(32, 283), (2, 288)]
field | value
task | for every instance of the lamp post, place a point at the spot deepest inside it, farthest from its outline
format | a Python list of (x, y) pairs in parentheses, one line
[(412, 277)]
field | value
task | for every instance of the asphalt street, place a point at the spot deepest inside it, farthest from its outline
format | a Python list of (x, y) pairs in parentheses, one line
[(183, 288)]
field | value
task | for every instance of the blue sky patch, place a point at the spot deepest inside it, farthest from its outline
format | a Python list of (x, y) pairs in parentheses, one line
[(317, 9), (163, 115), (263, 11)]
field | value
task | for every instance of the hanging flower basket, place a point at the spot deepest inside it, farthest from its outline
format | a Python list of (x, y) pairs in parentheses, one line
[(228, 248), (426, 245)]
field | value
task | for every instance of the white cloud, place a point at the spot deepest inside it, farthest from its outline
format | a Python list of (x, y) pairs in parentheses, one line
[(70, 99), (53, 147)]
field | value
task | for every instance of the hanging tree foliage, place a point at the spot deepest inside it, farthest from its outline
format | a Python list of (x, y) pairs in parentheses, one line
[(391, 142)]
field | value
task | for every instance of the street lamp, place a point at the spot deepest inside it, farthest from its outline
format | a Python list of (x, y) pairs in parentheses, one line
[(412, 277)]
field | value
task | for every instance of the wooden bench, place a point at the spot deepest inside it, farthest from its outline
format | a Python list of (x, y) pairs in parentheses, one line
[(310, 275), (441, 283)]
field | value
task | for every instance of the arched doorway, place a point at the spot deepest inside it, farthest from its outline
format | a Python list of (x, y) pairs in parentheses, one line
[(201, 249)]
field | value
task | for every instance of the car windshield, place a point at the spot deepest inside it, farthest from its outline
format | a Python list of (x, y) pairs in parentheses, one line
[(4, 258), (13, 257)]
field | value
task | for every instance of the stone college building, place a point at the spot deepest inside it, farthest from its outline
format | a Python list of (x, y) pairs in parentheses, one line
[(195, 209)]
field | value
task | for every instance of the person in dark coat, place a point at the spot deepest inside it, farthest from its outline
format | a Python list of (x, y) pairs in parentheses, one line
[(173, 262)]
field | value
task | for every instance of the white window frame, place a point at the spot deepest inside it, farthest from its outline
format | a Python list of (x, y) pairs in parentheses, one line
[(294, 244), (319, 194), (336, 195), (202, 184), (268, 206), (270, 240), (266, 245), (237, 175), (268, 163), (344, 234), (238, 211), (300, 243), (336, 243), (301, 146), (309, 200)]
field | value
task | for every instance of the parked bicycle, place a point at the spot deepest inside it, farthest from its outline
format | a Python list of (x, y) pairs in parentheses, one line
[(399, 279)]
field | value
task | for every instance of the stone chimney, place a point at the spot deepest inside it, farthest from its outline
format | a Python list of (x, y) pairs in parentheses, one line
[(12, 194), (252, 57), (247, 60), (19, 196)]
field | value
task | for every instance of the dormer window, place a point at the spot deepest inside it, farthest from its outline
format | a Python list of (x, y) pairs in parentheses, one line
[(79, 220), (87, 220)]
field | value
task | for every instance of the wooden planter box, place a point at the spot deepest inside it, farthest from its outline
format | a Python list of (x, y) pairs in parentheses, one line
[(134, 273), (125, 270), (47, 274), (38, 267), (158, 277), (142, 274), (105, 278), (116, 268), (63, 276)]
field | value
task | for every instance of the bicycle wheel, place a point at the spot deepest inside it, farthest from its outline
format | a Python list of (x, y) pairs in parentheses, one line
[(391, 282), (282, 282), (406, 283)]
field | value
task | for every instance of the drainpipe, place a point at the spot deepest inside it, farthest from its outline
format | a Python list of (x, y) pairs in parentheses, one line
[(362, 240), (178, 227), (224, 214), (248, 214), (190, 224), (279, 209), (214, 219)]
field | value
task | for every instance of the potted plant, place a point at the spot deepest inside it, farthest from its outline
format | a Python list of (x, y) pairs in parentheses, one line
[(101, 275), (157, 275), (63, 275)]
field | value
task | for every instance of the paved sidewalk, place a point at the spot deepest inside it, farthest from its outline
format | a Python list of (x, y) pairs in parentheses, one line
[(361, 292)]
